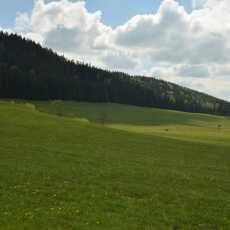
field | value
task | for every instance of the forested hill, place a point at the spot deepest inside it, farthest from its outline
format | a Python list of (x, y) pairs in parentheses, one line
[(28, 71)]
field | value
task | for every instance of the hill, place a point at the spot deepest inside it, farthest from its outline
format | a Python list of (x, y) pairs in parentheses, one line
[(67, 172), (28, 71), (196, 127)]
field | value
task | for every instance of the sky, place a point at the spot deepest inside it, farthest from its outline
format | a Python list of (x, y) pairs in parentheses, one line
[(182, 41), (115, 12)]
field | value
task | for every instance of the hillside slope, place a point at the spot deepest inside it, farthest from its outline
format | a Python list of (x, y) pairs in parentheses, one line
[(28, 71), (196, 127), (66, 173)]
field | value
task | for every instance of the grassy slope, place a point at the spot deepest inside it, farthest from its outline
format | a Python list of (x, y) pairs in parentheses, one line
[(168, 123), (64, 173)]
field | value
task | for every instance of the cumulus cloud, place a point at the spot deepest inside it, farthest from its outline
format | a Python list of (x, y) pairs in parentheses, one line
[(123, 60), (22, 22), (67, 27), (172, 35), (188, 48), (195, 71), (198, 3)]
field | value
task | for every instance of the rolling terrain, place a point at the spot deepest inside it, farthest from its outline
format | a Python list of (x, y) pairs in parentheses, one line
[(32, 72), (151, 121), (69, 165)]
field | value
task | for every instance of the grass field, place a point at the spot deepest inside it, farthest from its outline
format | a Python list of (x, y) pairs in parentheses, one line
[(168, 123), (78, 166)]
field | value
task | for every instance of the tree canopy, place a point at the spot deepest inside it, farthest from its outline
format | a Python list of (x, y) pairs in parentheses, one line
[(29, 71)]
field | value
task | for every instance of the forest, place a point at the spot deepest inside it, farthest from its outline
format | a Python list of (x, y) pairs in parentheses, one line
[(29, 71)]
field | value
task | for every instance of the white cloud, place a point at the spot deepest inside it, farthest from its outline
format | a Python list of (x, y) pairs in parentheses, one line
[(22, 22), (188, 48), (198, 3), (195, 71), (174, 36)]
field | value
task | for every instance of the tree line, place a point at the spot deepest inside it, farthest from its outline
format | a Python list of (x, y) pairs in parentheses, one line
[(29, 71)]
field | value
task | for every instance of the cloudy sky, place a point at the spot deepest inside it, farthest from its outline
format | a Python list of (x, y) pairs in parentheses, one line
[(183, 41)]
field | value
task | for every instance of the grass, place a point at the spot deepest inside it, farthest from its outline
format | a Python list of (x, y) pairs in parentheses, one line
[(172, 124), (62, 172)]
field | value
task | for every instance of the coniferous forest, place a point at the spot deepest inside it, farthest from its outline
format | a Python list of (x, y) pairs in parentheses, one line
[(29, 71)]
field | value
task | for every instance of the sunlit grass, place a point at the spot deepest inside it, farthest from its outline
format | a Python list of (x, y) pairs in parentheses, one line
[(151, 121), (59, 172)]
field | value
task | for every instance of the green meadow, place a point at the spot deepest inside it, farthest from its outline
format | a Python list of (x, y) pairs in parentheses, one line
[(85, 166), (168, 123)]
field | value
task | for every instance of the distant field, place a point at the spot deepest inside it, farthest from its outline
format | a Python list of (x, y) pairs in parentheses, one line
[(108, 166), (168, 123)]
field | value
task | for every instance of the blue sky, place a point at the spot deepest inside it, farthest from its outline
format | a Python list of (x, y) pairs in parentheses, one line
[(115, 12)]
